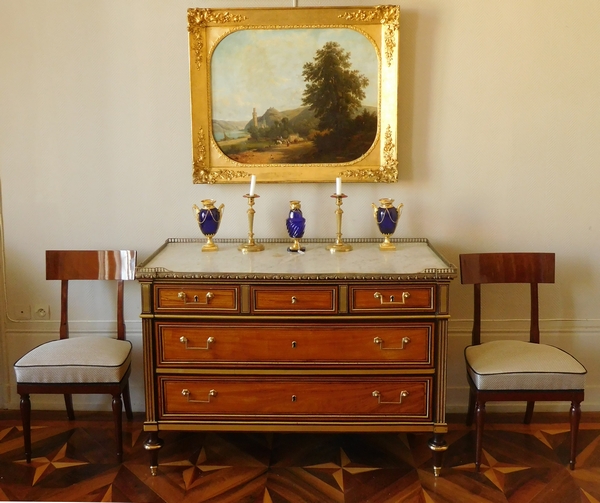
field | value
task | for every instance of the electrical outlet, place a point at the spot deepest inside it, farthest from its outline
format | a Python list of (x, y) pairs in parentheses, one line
[(21, 312), (41, 312)]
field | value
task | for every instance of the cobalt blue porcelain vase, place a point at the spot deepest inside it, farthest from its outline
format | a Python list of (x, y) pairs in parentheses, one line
[(387, 216), (209, 219), (295, 224)]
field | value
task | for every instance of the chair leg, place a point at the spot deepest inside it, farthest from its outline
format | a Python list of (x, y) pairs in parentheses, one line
[(69, 406), (480, 419), (127, 402), (117, 407), (575, 418), (26, 420), (471, 409), (529, 413)]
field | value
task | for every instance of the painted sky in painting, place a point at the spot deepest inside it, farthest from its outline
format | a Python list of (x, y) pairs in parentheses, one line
[(263, 68)]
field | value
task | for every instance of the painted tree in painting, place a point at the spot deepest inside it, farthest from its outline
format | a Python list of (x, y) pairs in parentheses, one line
[(333, 91)]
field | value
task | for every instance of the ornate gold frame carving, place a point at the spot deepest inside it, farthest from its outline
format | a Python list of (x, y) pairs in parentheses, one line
[(208, 27)]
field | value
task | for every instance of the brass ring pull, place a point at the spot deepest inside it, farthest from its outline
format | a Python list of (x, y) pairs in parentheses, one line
[(209, 341), (405, 295), (379, 340), (186, 392), (183, 296), (294, 299), (403, 394)]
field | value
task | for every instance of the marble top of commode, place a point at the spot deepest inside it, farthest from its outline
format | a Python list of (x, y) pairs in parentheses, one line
[(184, 258)]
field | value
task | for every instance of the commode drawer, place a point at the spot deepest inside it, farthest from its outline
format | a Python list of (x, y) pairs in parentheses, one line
[(386, 298), (199, 298), (294, 300), (216, 344), (295, 397)]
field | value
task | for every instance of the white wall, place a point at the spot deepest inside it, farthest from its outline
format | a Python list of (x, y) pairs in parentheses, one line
[(498, 150)]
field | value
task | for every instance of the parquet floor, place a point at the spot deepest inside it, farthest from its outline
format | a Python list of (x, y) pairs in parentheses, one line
[(74, 461)]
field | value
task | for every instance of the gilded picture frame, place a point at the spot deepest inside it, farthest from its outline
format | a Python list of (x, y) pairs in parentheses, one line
[(294, 95)]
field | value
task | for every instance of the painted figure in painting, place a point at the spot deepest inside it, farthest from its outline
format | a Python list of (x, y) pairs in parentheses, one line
[(316, 88)]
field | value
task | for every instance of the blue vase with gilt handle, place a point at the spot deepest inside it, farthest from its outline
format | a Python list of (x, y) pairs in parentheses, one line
[(295, 224), (387, 216), (209, 219)]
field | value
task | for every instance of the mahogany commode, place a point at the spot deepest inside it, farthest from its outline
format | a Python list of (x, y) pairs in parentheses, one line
[(292, 342)]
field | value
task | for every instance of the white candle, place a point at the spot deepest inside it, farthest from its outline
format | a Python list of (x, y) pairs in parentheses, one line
[(338, 186), (252, 185)]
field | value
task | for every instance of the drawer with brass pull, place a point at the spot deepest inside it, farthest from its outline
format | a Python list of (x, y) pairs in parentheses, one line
[(380, 298), (278, 344), (296, 398), (204, 298), (294, 300)]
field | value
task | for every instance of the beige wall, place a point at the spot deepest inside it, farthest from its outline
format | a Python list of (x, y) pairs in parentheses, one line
[(498, 149)]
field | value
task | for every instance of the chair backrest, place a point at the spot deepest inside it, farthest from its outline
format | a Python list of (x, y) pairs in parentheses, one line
[(66, 265), (531, 268)]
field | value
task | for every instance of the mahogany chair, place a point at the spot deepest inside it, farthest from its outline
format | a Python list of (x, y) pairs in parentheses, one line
[(84, 364), (511, 370)]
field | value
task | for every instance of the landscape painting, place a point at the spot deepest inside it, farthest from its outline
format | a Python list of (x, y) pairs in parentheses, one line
[(294, 95)]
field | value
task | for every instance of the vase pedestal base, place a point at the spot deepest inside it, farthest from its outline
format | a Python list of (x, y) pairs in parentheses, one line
[(210, 246), (387, 245), (295, 247)]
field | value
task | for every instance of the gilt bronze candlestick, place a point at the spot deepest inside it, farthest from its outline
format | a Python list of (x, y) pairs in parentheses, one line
[(339, 245), (251, 246)]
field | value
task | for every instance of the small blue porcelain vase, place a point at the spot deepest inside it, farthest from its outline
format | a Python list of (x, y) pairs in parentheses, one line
[(209, 219), (295, 224), (387, 216)]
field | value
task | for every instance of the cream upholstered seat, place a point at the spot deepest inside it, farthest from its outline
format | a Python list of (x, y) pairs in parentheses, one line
[(87, 359), (519, 365), (509, 370), (85, 364)]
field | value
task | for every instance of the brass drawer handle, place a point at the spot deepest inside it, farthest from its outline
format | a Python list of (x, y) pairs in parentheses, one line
[(403, 394), (183, 296), (379, 340), (405, 295), (209, 341), (186, 392)]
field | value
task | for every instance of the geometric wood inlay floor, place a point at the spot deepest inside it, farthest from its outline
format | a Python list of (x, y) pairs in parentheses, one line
[(74, 461)]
